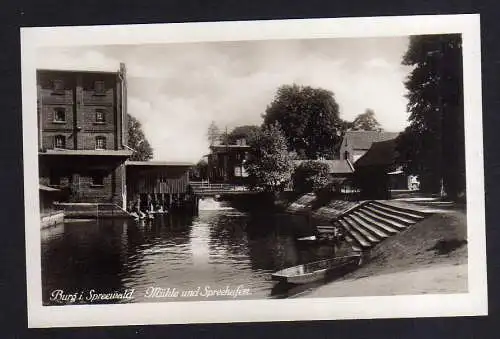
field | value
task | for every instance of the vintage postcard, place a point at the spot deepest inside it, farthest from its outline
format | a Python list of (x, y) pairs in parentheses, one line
[(254, 171)]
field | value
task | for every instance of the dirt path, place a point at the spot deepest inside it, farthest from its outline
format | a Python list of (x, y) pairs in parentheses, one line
[(423, 280)]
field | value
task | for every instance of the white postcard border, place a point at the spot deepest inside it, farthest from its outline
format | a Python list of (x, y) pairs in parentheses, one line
[(472, 303)]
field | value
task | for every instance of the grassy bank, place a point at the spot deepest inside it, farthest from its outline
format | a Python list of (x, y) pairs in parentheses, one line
[(429, 257)]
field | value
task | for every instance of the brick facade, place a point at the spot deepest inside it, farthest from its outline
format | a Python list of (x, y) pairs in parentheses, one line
[(80, 103), (85, 111)]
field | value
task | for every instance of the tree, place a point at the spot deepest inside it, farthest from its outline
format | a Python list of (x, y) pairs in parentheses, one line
[(137, 141), (213, 133), (310, 176), (433, 145), (241, 132), (366, 122), (309, 118), (268, 164)]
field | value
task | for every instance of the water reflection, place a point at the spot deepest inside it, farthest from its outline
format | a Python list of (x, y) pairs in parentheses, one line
[(217, 248)]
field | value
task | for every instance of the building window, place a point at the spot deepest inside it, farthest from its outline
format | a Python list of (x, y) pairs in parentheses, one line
[(58, 86), (100, 116), (99, 87), (59, 115), (59, 141), (237, 171), (100, 143), (97, 179)]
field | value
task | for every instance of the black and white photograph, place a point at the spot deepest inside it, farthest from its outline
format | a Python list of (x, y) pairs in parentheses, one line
[(254, 171)]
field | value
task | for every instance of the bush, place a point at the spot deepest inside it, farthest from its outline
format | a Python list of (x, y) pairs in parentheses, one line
[(310, 176)]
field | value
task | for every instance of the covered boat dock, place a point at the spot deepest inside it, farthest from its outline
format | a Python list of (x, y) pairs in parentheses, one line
[(158, 185)]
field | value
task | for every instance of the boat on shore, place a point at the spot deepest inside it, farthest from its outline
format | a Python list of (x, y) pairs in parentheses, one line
[(318, 270), (310, 238), (321, 239)]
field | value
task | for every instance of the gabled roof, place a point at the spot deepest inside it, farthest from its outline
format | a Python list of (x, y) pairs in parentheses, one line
[(334, 166), (362, 140), (380, 154)]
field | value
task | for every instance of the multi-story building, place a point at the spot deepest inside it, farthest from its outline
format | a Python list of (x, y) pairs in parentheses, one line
[(82, 134), (226, 162)]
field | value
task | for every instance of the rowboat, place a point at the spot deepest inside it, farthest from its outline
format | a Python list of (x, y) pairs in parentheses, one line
[(322, 239), (310, 238), (317, 270)]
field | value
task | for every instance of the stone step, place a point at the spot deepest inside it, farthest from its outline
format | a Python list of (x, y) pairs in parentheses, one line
[(352, 242), (390, 215), (410, 214), (358, 237), (408, 211), (381, 233), (385, 221), (386, 228), (368, 235), (407, 215)]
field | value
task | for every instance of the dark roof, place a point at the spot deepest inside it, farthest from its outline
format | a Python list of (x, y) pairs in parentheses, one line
[(380, 154), (363, 139), (159, 163), (47, 70), (119, 153), (334, 166), (47, 188)]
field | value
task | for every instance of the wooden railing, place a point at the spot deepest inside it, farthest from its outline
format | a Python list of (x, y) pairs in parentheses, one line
[(206, 187)]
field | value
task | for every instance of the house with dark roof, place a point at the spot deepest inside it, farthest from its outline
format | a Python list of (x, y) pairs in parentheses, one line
[(226, 162), (356, 143), (340, 171), (335, 167), (377, 171)]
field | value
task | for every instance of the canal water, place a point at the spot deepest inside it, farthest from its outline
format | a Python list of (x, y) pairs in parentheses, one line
[(215, 255)]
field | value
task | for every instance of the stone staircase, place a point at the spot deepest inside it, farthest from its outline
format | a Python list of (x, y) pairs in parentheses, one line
[(370, 222)]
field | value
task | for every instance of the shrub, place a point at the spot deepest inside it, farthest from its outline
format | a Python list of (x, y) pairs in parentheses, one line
[(310, 176)]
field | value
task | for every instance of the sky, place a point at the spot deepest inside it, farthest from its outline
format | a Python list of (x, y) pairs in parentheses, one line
[(175, 90)]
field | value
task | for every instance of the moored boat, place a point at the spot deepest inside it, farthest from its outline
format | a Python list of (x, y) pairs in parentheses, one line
[(315, 240), (310, 238), (317, 270)]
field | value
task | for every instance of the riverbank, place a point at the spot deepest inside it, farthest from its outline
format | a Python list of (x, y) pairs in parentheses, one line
[(424, 280), (429, 257)]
